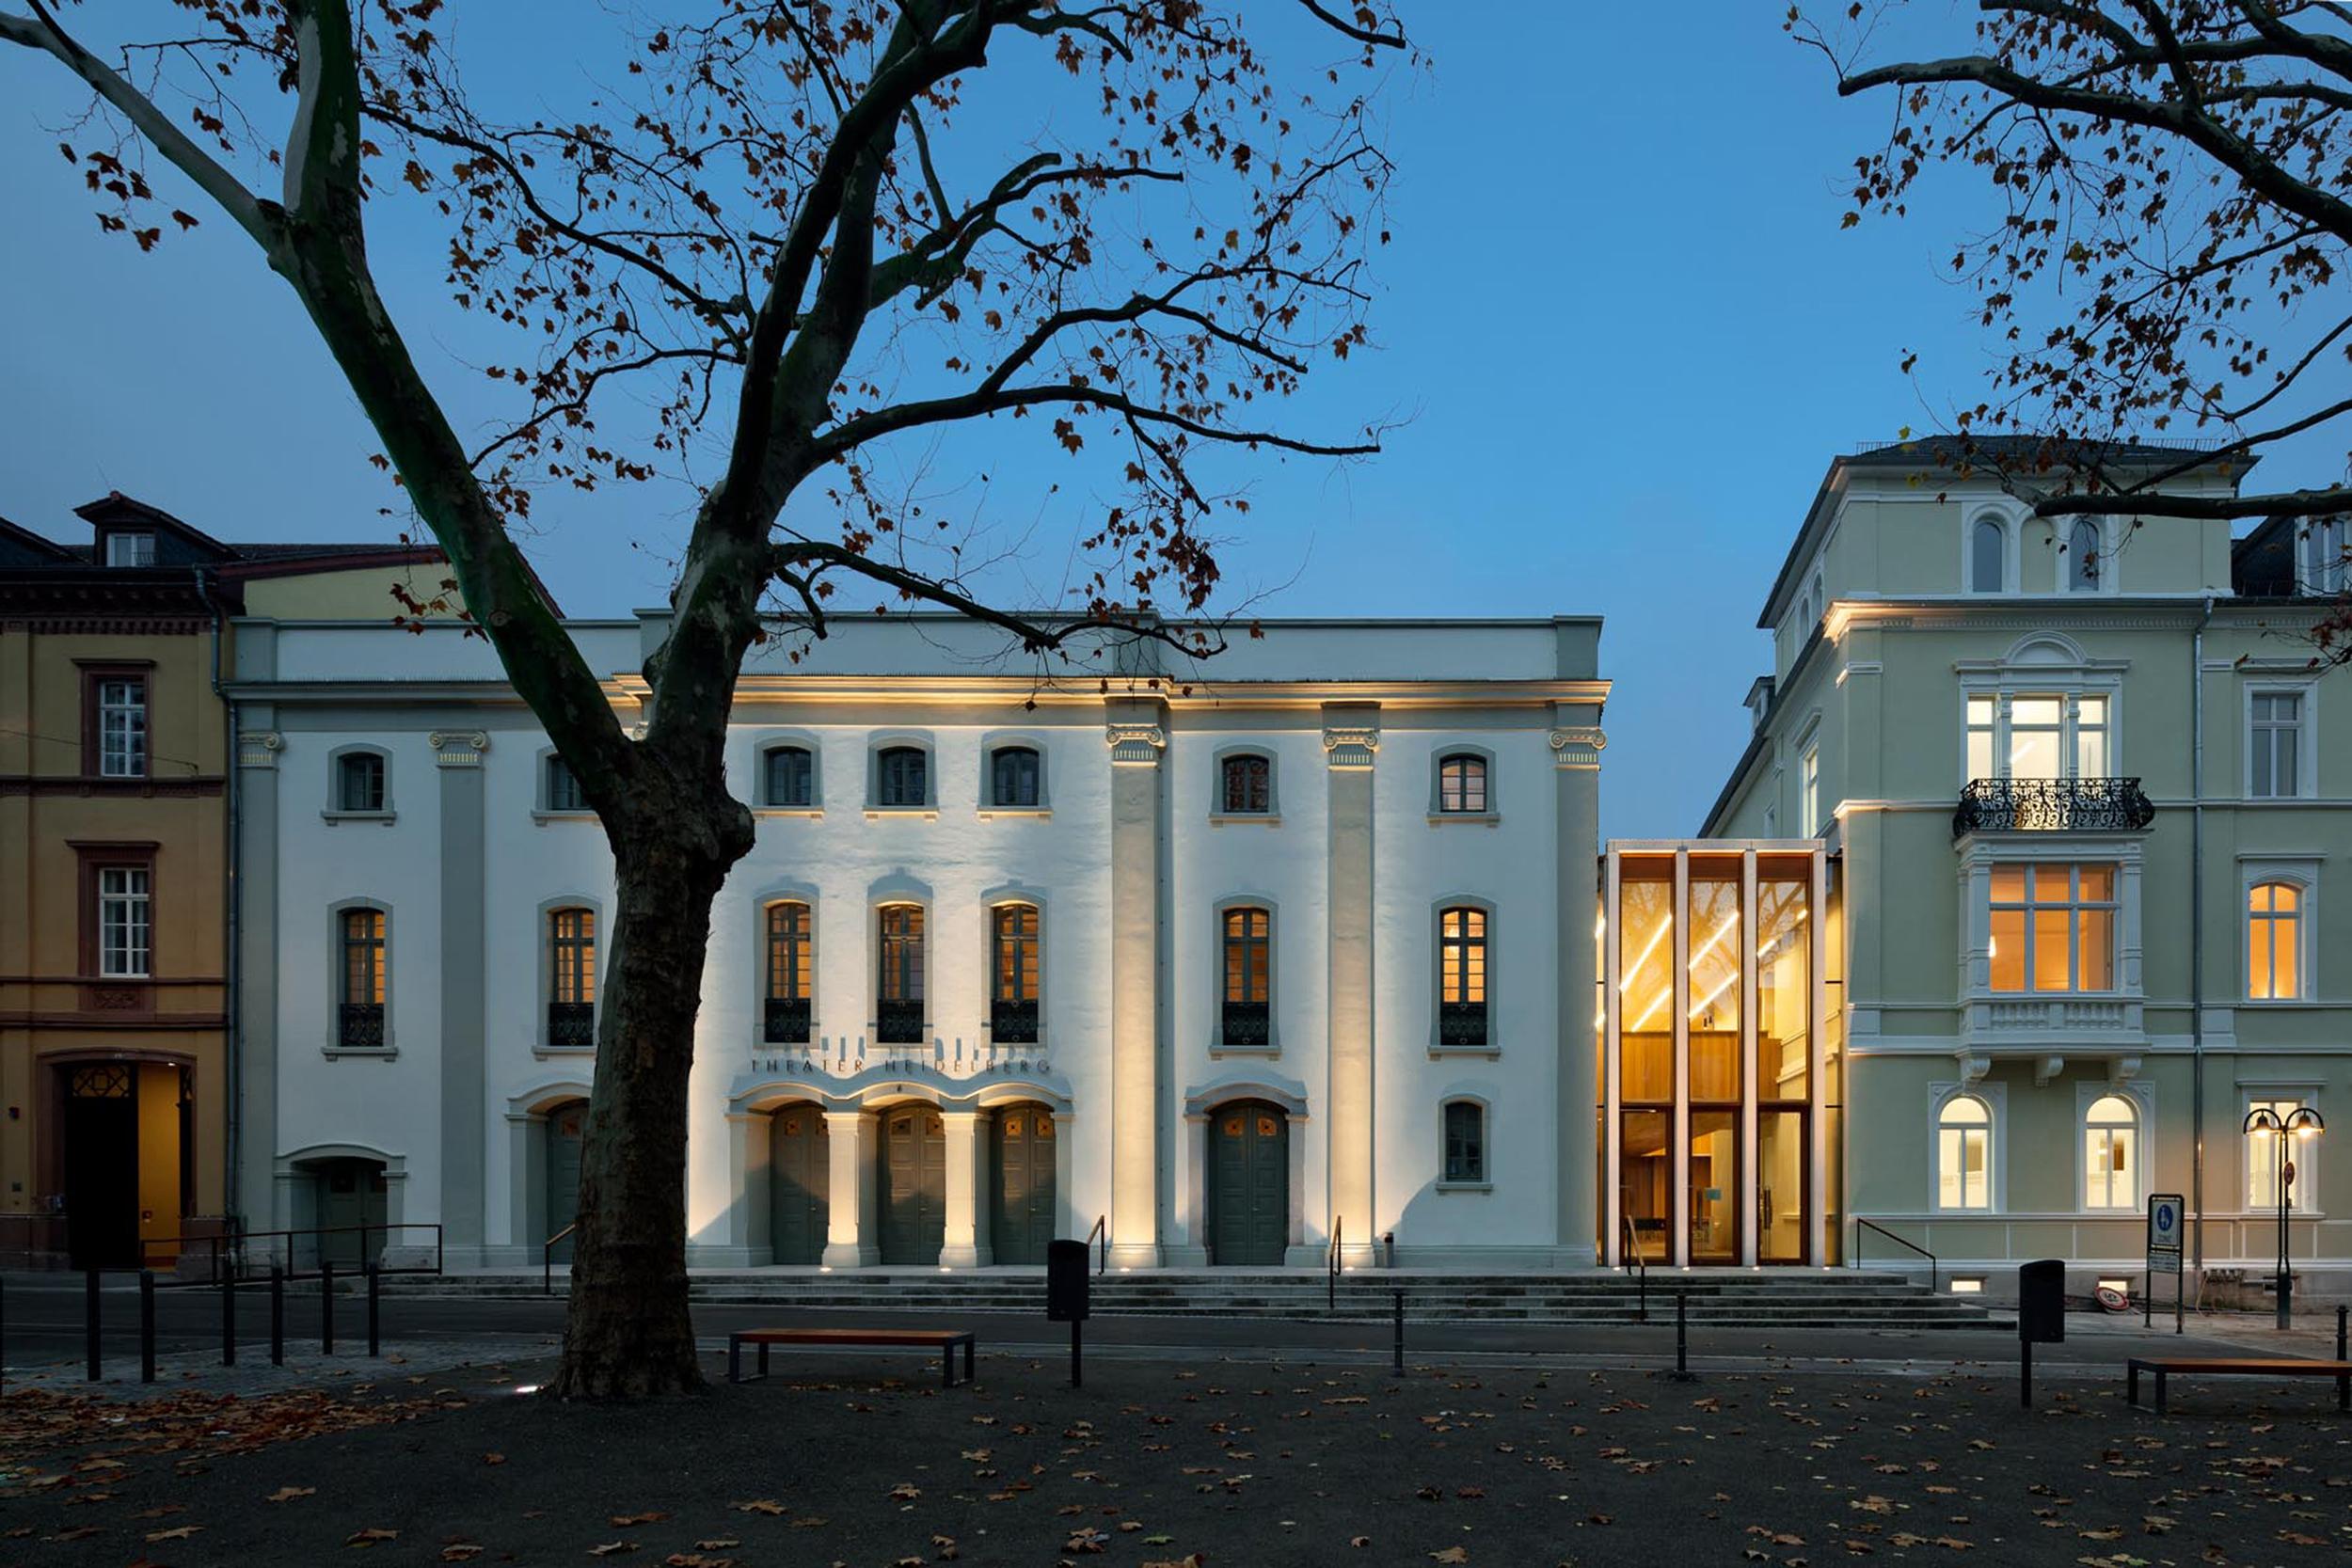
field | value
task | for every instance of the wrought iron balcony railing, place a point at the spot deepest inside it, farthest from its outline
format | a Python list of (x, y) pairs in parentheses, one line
[(899, 1022), (786, 1021), (2052, 806), (1248, 1024), (572, 1024), (1012, 1022), (359, 1026), (1461, 1023)]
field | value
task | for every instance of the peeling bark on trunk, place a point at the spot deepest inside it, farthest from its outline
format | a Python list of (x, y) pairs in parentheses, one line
[(629, 1331)]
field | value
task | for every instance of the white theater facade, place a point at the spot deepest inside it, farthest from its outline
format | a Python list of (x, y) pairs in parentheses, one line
[(1294, 946)]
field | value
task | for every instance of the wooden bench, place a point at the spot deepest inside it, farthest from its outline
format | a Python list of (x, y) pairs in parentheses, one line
[(2249, 1366), (945, 1341)]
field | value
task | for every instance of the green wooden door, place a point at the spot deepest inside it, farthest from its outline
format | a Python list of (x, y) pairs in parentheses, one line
[(799, 1198), (1021, 1186), (565, 1126), (913, 1185), (351, 1212), (1248, 1185)]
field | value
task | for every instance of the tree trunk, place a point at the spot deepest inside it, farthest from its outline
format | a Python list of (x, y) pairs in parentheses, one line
[(627, 1331)]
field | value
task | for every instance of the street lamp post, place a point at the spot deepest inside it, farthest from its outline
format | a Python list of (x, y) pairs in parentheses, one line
[(2263, 1123)]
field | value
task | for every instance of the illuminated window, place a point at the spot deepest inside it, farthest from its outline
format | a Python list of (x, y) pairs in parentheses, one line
[(1013, 974), (1248, 965), (2274, 942), (2053, 927), (2262, 1154), (1963, 1154), (2111, 1154), (2028, 735), (1462, 976)]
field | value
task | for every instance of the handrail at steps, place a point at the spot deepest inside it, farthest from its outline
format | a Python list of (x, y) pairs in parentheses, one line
[(1860, 1224), (546, 1258), (1635, 1263), (1101, 1237), (1331, 1266)]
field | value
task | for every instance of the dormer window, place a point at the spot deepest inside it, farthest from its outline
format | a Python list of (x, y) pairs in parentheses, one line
[(129, 548), (2319, 556)]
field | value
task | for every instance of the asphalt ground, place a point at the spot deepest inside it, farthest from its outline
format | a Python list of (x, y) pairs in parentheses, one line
[(1210, 1457)]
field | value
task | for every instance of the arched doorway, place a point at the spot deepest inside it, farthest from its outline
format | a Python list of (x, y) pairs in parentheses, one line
[(1249, 1184), (567, 1125), (126, 1161), (1021, 1186), (914, 1180), (800, 1165), (349, 1202)]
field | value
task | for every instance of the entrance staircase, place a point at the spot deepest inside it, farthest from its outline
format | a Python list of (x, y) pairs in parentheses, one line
[(1825, 1298)]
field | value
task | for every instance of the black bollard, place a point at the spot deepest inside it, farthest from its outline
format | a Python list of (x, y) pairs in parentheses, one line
[(1396, 1358), (229, 1319), (90, 1318), (1077, 1372), (1682, 1338), (277, 1315), (147, 1325), (2344, 1385), (326, 1307), (376, 1274)]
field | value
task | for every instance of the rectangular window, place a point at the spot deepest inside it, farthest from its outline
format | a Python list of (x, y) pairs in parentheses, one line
[(2038, 735), (1465, 1142), (1810, 792), (121, 701), (2274, 745), (1247, 1016), (563, 791), (2053, 927), (791, 777), (2320, 556), (2264, 1153), (1014, 777), (130, 549), (898, 1003), (1462, 977), (2274, 942), (785, 1013), (574, 934), (902, 777), (359, 1015), (359, 784), (125, 923), (1013, 974)]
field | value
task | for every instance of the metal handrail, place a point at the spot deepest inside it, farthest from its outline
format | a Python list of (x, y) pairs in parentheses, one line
[(1331, 1265), (546, 1258), (1635, 1263), (1860, 1224), (235, 1242), (1099, 1238)]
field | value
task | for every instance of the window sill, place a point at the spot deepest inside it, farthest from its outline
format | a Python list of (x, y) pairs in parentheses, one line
[(1489, 1051), (1465, 1186), (989, 813), (1476, 818), (1218, 1049), (543, 817), (928, 814), (788, 811), (1244, 819), (377, 1053), (387, 818), (544, 1051)]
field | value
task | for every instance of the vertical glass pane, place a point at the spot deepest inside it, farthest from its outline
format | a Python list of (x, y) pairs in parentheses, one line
[(2052, 966), (1646, 988), (1646, 1180), (1714, 1209), (1780, 1184), (1784, 987), (1984, 560), (2008, 950), (2098, 950), (2284, 781), (1714, 978)]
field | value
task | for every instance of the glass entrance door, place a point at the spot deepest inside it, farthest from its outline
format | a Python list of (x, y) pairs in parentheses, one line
[(1714, 1175), (1648, 1190)]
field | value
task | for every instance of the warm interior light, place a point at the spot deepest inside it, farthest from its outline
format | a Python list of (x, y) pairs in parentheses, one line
[(1709, 1000), (1601, 926), (1626, 982), (1967, 1287)]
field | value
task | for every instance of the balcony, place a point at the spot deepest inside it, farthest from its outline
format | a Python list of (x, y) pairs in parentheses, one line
[(2052, 806), (785, 1021), (1249, 1025), (1461, 1025), (572, 1026), (359, 1026), (899, 1022), (1012, 1022)]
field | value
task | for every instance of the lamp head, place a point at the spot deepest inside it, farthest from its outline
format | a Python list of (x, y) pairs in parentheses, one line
[(2305, 1122)]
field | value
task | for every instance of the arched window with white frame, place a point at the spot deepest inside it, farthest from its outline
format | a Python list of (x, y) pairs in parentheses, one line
[(1987, 556), (1963, 1155), (2274, 942), (2083, 566), (2111, 1153)]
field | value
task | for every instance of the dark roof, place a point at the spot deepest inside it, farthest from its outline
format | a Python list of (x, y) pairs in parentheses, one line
[(1966, 456)]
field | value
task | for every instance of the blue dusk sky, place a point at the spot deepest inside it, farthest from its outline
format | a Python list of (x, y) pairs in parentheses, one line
[(1619, 319)]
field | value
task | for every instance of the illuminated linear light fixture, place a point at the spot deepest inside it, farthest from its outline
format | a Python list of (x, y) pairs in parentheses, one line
[(1651, 946), (1730, 920)]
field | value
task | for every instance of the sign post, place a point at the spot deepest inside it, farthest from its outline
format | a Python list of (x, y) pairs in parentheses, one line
[(2167, 1213)]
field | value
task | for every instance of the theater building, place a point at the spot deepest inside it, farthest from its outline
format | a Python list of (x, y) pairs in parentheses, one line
[(1237, 961)]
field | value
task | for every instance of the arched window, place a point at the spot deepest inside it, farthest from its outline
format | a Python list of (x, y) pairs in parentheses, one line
[(572, 977), (1462, 976), (903, 776), (1963, 1154), (1462, 783), (359, 781), (1988, 557), (1013, 974), (2082, 557), (2111, 1154), (2274, 942), (1465, 1142), (1821, 597), (359, 1009), (1248, 781), (791, 964), (898, 988), (1016, 776), (1249, 994), (789, 777)]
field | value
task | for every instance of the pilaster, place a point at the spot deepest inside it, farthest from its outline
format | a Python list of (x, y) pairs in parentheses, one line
[(1351, 742), (254, 1051), (852, 1230), (1136, 1222), (1576, 835), (463, 984), (966, 1243)]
